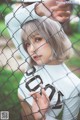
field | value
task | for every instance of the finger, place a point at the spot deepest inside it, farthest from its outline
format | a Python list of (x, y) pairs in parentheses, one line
[(38, 95), (64, 4), (33, 94), (61, 19), (64, 7), (62, 13), (44, 94), (60, 8)]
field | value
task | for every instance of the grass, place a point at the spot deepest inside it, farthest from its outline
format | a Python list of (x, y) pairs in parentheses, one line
[(9, 81)]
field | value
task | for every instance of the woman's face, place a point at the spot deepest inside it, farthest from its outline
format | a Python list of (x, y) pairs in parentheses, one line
[(39, 50)]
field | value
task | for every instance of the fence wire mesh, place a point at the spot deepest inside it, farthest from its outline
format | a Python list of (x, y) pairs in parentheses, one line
[(14, 62)]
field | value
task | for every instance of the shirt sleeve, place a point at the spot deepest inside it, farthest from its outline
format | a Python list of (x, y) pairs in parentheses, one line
[(72, 105), (13, 22)]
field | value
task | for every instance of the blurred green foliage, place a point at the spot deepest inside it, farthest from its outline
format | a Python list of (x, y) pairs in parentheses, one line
[(3, 30), (74, 62), (76, 9), (9, 82), (4, 10)]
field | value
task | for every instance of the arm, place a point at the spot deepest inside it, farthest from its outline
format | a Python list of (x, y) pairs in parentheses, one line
[(13, 22)]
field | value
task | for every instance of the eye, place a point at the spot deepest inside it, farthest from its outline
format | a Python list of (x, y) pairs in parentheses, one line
[(37, 39)]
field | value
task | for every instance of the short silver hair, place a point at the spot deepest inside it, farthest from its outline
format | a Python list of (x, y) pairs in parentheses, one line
[(52, 32)]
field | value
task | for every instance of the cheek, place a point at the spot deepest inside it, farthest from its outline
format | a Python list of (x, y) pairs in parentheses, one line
[(47, 47), (42, 48)]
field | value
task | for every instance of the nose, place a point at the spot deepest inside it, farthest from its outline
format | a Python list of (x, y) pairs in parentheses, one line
[(32, 48)]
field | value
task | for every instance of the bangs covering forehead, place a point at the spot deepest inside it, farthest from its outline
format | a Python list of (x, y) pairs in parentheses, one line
[(29, 30)]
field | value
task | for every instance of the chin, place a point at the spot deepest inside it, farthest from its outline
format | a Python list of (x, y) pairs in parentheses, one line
[(40, 63)]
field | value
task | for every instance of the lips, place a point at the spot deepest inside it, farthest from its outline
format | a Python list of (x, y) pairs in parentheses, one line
[(37, 57)]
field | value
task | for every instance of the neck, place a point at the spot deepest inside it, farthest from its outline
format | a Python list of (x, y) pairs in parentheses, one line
[(54, 62)]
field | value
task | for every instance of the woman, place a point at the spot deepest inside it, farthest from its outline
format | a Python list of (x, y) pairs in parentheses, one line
[(23, 14)]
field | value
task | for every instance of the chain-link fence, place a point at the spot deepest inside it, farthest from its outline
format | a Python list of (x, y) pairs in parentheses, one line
[(62, 90)]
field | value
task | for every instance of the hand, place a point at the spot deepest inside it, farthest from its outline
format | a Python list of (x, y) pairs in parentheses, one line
[(40, 104), (54, 10)]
